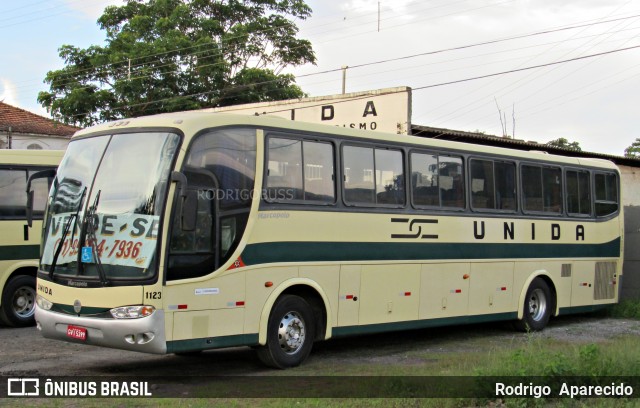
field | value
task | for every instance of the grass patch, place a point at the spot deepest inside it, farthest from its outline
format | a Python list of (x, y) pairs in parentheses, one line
[(629, 309)]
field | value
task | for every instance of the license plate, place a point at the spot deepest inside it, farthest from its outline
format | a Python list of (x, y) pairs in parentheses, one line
[(75, 332)]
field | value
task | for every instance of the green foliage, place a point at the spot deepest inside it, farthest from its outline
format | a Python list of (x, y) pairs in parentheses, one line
[(633, 151), (629, 309), (565, 144), (171, 55)]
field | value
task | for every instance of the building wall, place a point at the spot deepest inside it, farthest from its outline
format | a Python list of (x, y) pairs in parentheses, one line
[(630, 288), (32, 141)]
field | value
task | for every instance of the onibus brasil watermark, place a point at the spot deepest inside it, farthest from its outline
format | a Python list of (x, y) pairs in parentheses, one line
[(35, 387)]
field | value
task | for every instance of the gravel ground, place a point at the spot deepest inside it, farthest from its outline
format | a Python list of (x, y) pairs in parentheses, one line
[(24, 352)]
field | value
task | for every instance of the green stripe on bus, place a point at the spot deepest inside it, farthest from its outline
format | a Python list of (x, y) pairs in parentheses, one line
[(583, 309), (421, 324), (271, 252), (85, 311), (183, 346), (17, 252)]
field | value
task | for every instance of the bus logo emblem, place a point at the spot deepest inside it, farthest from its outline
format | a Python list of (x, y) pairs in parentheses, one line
[(77, 306)]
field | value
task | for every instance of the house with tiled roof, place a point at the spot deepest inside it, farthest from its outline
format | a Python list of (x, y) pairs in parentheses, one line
[(21, 129)]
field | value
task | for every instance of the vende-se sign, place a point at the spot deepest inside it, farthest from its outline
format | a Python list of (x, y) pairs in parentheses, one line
[(387, 110)]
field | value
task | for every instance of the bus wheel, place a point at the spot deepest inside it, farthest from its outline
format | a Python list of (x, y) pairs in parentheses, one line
[(19, 301), (290, 333), (537, 307)]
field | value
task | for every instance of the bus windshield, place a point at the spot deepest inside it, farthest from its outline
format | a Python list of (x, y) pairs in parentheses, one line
[(104, 208)]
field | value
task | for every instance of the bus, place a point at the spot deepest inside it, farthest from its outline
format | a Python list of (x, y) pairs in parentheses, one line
[(189, 231), (19, 244)]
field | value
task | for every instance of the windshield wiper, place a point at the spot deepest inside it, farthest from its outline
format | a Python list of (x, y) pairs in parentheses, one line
[(90, 228), (65, 231)]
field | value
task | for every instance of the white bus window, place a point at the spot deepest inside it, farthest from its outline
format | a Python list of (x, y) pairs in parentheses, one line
[(13, 196), (578, 192), (606, 186)]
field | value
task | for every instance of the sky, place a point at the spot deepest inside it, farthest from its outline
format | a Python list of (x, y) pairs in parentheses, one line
[(577, 75)]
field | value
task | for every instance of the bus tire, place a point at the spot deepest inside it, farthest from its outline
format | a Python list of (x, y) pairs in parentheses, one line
[(290, 333), (19, 301), (538, 304)]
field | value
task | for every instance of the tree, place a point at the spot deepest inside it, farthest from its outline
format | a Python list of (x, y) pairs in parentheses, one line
[(633, 151), (563, 143), (171, 55)]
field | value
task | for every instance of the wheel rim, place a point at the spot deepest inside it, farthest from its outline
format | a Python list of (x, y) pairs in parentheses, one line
[(537, 304), (291, 333), (24, 302)]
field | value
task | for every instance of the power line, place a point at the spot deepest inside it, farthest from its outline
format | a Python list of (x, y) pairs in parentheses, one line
[(457, 113), (220, 49), (392, 92), (534, 34)]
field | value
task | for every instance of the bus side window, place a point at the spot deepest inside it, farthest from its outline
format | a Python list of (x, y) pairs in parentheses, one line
[(359, 184), (13, 197), (300, 171), (437, 180), (389, 177), (482, 187), (578, 193), (40, 188), (606, 186), (542, 188), (220, 169), (373, 176)]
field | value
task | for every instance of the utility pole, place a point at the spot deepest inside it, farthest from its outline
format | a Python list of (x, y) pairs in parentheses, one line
[(344, 79)]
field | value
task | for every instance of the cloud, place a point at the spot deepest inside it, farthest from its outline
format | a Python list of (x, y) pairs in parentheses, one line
[(8, 93), (92, 9)]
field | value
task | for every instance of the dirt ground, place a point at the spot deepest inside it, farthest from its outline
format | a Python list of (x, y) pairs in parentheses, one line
[(23, 352)]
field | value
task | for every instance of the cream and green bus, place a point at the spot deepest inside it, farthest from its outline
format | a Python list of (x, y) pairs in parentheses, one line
[(19, 244), (190, 231)]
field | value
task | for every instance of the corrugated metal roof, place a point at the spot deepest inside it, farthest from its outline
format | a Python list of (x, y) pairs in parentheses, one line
[(22, 121), (491, 140)]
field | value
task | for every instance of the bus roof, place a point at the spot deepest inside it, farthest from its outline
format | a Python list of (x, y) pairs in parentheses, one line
[(31, 157), (191, 122)]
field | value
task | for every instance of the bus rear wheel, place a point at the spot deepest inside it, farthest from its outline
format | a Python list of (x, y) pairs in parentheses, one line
[(19, 301), (290, 333), (538, 304)]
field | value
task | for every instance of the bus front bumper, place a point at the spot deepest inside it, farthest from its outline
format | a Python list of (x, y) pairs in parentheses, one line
[(144, 334)]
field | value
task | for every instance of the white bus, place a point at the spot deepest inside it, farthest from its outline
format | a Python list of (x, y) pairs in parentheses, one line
[(190, 231), (19, 244)]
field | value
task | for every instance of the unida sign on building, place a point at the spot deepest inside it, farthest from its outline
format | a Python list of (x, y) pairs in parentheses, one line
[(386, 110)]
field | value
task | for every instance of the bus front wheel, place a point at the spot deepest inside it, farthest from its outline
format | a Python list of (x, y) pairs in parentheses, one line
[(19, 301), (538, 304), (290, 333)]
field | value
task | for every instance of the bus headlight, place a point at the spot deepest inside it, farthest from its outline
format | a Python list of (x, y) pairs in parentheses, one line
[(132, 312), (43, 303)]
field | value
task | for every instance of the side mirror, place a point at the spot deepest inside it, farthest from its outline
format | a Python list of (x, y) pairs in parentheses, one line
[(37, 175)]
